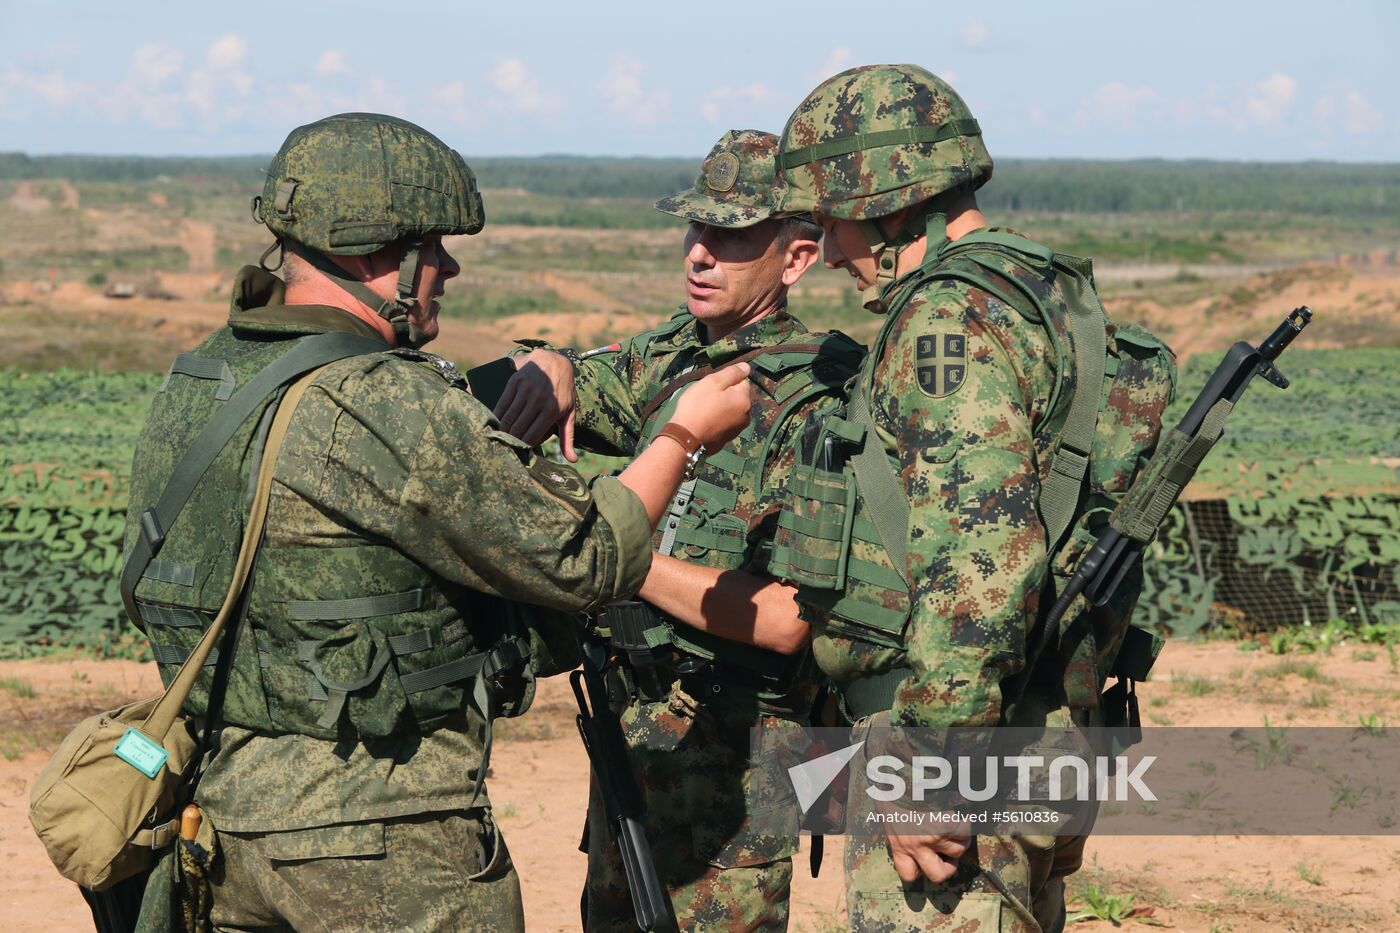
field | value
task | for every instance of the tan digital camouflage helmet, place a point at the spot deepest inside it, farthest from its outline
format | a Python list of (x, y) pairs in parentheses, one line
[(735, 187), (878, 138), (355, 183)]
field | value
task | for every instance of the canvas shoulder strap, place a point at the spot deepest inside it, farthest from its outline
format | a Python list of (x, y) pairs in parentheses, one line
[(310, 353), (166, 710)]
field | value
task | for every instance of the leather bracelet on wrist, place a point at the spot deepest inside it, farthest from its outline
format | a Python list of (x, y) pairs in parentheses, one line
[(694, 450)]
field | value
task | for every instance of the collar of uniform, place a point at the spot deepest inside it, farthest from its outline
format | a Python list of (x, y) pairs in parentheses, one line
[(769, 330), (259, 308)]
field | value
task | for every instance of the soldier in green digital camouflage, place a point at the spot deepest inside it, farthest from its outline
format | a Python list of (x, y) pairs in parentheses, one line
[(688, 722), (380, 637), (997, 418)]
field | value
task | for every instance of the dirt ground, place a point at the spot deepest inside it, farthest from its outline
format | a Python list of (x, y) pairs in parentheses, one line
[(540, 780)]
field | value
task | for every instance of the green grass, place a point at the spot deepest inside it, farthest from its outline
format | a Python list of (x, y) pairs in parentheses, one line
[(17, 686)]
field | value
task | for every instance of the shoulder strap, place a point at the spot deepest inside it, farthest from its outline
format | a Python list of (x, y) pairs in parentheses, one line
[(163, 715), (700, 372), (309, 353), (881, 488)]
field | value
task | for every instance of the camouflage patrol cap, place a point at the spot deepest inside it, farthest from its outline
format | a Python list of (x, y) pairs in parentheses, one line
[(875, 139), (355, 182), (735, 187)]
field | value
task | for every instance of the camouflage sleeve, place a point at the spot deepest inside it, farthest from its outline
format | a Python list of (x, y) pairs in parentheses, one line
[(609, 407), (954, 392), (406, 458)]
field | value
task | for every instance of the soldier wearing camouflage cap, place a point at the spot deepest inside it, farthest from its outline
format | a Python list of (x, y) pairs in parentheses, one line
[(381, 635), (997, 409), (688, 721)]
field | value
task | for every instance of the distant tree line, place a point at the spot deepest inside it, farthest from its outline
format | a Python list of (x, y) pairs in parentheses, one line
[(1140, 186)]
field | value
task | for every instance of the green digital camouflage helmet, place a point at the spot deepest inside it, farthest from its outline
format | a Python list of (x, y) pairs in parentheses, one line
[(354, 183), (872, 141), (735, 186)]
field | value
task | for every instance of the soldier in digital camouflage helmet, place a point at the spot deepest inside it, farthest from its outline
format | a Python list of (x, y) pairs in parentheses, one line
[(381, 633), (688, 726), (986, 459)]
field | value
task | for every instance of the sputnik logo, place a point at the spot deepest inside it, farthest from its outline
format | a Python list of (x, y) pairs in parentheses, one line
[(811, 778)]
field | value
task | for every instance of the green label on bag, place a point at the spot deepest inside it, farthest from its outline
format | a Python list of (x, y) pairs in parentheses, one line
[(142, 752)]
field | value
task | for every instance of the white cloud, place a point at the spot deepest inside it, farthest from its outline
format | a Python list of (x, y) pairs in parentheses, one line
[(331, 62), (736, 107), (976, 36), (1269, 101), (1359, 118), (629, 95), (519, 88), (228, 50), (836, 61), (153, 65), (1117, 104)]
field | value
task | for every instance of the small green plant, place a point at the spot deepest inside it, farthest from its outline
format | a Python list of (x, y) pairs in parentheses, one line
[(1309, 874), (80, 677), (16, 686), (1318, 699), (1195, 799), (508, 811), (1366, 655), (1102, 905), (1194, 686), (1371, 724), (1274, 748)]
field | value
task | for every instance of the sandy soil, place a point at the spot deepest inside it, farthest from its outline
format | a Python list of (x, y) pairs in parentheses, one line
[(540, 779)]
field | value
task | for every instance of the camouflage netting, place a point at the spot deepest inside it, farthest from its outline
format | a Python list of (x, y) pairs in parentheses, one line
[(1295, 517)]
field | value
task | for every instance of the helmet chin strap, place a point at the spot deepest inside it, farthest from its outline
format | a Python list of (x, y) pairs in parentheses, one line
[(886, 250), (395, 310)]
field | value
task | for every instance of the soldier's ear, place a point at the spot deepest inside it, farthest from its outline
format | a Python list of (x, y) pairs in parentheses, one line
[(799, 256)]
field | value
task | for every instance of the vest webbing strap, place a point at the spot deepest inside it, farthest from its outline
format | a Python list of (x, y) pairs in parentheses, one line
[(881, 488), (309, 353), (700, 372), (873, 694), (177, 654), (1059, 493), (172, 616), (162, 715), (203, 367), (358, 607)]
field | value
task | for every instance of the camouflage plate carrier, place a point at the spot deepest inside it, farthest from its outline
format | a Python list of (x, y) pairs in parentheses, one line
[(842, 536), (710, 520)]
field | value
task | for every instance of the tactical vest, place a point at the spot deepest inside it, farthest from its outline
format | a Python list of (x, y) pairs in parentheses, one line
[(354, 641), (702, 525), (843, 534)]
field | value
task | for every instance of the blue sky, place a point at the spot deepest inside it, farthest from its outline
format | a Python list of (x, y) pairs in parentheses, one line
[(1274, 81)]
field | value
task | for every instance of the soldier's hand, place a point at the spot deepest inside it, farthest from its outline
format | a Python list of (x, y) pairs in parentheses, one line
[(540, 398), (934, 857), (715, 409)]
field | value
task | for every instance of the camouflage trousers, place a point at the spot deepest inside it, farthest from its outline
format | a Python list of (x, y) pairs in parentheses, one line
[(1005, 882), (437, 871), (693, 766), (1030, 869)]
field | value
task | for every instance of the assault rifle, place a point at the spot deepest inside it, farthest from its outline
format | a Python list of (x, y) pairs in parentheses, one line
[(601, 730), (1135, 521)]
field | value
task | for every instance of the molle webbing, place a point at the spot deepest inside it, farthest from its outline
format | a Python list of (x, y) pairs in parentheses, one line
[(700, 372), (309, 353), (200, 367)]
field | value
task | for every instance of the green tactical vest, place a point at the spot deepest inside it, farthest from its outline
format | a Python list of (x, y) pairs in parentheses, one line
[(842, 535), (354, 641), (701, 523)]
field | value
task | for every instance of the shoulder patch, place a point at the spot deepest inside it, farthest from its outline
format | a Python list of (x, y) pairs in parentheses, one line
[(444, 368), (563, 482), (941, 362)]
